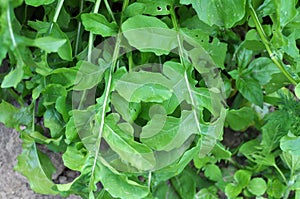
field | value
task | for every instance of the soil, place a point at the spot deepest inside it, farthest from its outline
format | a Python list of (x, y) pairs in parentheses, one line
[(12, 184)]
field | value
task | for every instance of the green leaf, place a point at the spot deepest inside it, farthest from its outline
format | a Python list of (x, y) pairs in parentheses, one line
[(40, 138), (136, 154), (224, 13), (65, 51), (290, 143), (243, 57), (220, 152), (37, 3), (217, 50), (262, 69), (257, 154), (119, 186), (128, 110), (88, 75), (250, 89), (278, 81), (185, 184), (54, 122), (149, 7), (162, 190), (232, 190), (49, 44), (167, 133), (98, 24), (297, 90), (291, 160), (63, 76), (36, 167), (7, 113), (240, 119), (149, 34), (13, 78), (242, 177), (131, 85), (178, 166), (14, 117), (75, 157), (206, 194), (276, 188), (213, 172), (71, 131), (257, 186), (51, 93), (151, 93), (286, 11)]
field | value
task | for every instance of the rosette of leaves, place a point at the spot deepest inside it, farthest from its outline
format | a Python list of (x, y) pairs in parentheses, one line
[(148, 121)]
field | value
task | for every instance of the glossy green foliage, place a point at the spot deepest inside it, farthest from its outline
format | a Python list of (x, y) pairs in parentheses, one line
[(135, 96)]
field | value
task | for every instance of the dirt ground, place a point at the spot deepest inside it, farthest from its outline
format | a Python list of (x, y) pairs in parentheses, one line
[(12, 184)]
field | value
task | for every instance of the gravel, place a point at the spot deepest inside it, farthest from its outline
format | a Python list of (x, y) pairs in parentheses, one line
[(12, 184)]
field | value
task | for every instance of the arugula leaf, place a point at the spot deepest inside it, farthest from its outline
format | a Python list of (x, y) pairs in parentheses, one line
[(49, 44), (98, 24), (131, 84), (119, 185), (167, 133), (13, 117), (88, 75), (150, 97), (13, 78), (240, 119), (160, 39), (250, 89), (213, 172), (185, 184), (222, 13), (65, 51), (262, 69), (297, 90), (36, 166), (136, 154), (38, 3)]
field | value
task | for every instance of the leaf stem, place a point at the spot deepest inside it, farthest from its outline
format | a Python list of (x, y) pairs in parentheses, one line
[(12, 37), (57, 10), (56, 15), (33, 116), (281, 174), (16, 96), (109, 10), (78, 29), (106, 100), (149, 179), (181, 55), (90, 46), (91, 36), (11, 32), (266, 42)]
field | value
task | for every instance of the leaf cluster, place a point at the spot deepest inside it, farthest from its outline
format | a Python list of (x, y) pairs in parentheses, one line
[(132, 95)]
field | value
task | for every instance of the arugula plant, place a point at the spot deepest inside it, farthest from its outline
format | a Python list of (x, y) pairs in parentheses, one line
[(132, 94)]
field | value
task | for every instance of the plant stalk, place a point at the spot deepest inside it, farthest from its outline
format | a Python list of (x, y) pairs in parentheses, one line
[(266, 42), (11, 32), (106, 99), (56, 15), (281, 174), (181, 55), (109, 10), (78, 29)]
